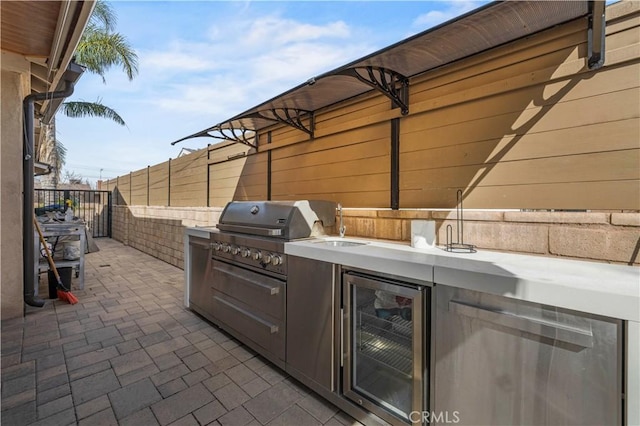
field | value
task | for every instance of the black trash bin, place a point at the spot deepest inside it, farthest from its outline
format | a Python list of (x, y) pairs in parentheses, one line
[(65, 277)]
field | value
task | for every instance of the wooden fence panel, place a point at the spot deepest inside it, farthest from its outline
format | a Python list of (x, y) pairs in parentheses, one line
[(123, 190), (159, 184), (189, 180), (343, 167), (509, 143), (139, 188), (236, 173)]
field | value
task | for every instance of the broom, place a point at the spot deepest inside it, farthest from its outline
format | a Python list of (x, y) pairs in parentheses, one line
[(63, 293)]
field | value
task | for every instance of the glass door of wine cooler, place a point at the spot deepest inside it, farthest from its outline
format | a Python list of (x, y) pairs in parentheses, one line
[(383, 346)]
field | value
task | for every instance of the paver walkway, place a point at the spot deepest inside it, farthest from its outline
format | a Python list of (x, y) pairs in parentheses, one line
[(129, 353)]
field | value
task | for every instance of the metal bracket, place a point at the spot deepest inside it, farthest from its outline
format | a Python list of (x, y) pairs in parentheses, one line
[(393, 85), (232, 134), (289, 116), (195, 135), (596, 34), (240, 135)]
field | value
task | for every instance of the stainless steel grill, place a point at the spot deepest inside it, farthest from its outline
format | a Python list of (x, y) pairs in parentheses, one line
[(286, 220), (248, 273), (253, 233)]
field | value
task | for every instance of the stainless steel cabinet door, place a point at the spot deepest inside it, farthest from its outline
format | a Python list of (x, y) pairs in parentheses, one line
[(501, 361), (311, 320), (200, 296)]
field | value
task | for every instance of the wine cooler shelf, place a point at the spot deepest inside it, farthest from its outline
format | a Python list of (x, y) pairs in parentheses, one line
[(385, 341)]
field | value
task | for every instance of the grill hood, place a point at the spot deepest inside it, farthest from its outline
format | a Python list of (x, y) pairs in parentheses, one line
[(286, 220)]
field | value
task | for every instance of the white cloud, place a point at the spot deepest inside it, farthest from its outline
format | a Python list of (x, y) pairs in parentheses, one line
[(251, 62), (273, 30), (221, 97), (176, 60), (301, 61)]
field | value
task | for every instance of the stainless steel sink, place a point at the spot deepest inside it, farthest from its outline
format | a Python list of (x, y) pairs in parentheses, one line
[(340, 243)]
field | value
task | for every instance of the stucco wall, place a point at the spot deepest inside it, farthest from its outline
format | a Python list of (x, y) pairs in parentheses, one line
[(13, 89)]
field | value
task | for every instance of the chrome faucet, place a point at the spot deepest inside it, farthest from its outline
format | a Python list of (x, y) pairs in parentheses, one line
[(343, 228)]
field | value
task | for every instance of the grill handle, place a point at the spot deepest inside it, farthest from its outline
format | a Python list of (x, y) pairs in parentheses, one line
[(253, 230), (272, 327), (272, 290), (537, 326)]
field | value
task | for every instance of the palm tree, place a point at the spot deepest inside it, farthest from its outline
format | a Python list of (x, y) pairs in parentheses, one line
[(99, 49), (52, 152)]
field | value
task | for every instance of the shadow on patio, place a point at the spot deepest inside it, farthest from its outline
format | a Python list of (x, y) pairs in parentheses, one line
[(129, 353)]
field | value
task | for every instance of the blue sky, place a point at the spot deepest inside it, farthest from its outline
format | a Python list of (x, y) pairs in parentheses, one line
[(203, 62)]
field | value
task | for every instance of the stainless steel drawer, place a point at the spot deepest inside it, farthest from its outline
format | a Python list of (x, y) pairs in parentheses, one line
[(260, 293), (265, 331)]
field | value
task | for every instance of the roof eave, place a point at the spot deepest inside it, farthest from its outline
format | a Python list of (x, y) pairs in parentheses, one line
[(73, 19)]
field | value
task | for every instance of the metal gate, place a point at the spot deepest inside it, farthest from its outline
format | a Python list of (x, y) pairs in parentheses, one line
[(93, 207)]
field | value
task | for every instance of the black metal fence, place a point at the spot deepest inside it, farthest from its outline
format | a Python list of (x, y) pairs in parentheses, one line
[(94, 207)]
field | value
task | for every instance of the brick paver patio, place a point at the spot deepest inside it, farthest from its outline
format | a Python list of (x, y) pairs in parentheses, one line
[(129, 353)]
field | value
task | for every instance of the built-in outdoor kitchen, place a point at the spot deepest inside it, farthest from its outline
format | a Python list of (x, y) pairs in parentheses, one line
[(395, 334), (445, 231)]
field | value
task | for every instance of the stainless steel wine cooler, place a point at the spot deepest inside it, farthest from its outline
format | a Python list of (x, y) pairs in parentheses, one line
[(385, 322)]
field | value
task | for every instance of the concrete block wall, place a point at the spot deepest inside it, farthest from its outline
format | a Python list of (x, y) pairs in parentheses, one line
[(598, 236), (159, 231), (120, 219)]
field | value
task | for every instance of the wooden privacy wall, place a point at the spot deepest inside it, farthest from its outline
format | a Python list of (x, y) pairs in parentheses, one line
[(185, 182), (159, 184), (351, 166), (236, 173), (139, 187), (523, 126), (122, 189), (528, 126), (181, 182), (189, 180)]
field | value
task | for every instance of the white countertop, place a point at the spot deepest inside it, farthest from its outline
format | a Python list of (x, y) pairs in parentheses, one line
[(376, 256), (599, 288), (200, 231)]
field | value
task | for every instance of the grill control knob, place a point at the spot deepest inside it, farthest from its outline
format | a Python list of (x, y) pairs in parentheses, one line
[(276, 259), (245, 252), (226, 247), (266, 259), (216, 246), (257, 255), (235, 250)]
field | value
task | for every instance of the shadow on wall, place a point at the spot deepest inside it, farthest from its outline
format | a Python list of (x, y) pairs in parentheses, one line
[(519, 130), (469, 142), (634, 256), (118, 199), (469, 173)]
